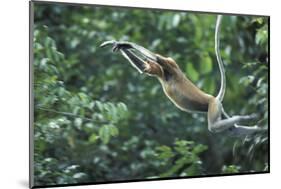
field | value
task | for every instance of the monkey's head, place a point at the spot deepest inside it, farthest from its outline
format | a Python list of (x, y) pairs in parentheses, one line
[(145, 61), (169, 67)]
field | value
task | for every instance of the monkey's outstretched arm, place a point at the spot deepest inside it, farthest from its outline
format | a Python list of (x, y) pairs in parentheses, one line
[(137, 55)]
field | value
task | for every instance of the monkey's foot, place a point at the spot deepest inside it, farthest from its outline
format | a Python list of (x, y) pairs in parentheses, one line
[(240, 130), (250, 117), (253, 116)]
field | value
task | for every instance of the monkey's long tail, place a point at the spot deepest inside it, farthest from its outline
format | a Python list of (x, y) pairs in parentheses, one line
[(219, 59)]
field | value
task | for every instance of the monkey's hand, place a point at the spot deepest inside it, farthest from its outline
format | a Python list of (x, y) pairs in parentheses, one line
[(116, 46)]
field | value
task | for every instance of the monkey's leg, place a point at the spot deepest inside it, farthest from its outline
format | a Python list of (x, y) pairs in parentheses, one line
[(216, 124), (242, 130), (231, 124)]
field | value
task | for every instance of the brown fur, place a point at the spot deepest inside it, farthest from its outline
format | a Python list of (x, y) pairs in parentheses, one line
[(188, 97)]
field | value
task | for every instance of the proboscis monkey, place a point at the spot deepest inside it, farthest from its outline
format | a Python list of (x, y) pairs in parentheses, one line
[(181, 91)]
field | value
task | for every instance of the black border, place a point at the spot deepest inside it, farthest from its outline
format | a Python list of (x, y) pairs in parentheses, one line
[(31, 99)]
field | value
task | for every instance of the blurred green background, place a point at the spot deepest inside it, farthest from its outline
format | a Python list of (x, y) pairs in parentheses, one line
[(96, 119)]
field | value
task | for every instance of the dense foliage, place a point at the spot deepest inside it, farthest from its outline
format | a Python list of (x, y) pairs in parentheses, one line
[(97, 119)]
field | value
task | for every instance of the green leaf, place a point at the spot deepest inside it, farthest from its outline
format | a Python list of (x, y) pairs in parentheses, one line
[(176, 20), (113, 130), (199, 148), (165, 152), (122, 107), (206, 65), (76, 109), (43, 63), (122, 110), (49, 42), (99, 105), (83, 96), (191, 72), (111, 112), (79, 175), (93, 138), (78, 122), (247, 80), (209, 86), (105, 133), (230, 169), (262, 36), (258, 20)]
